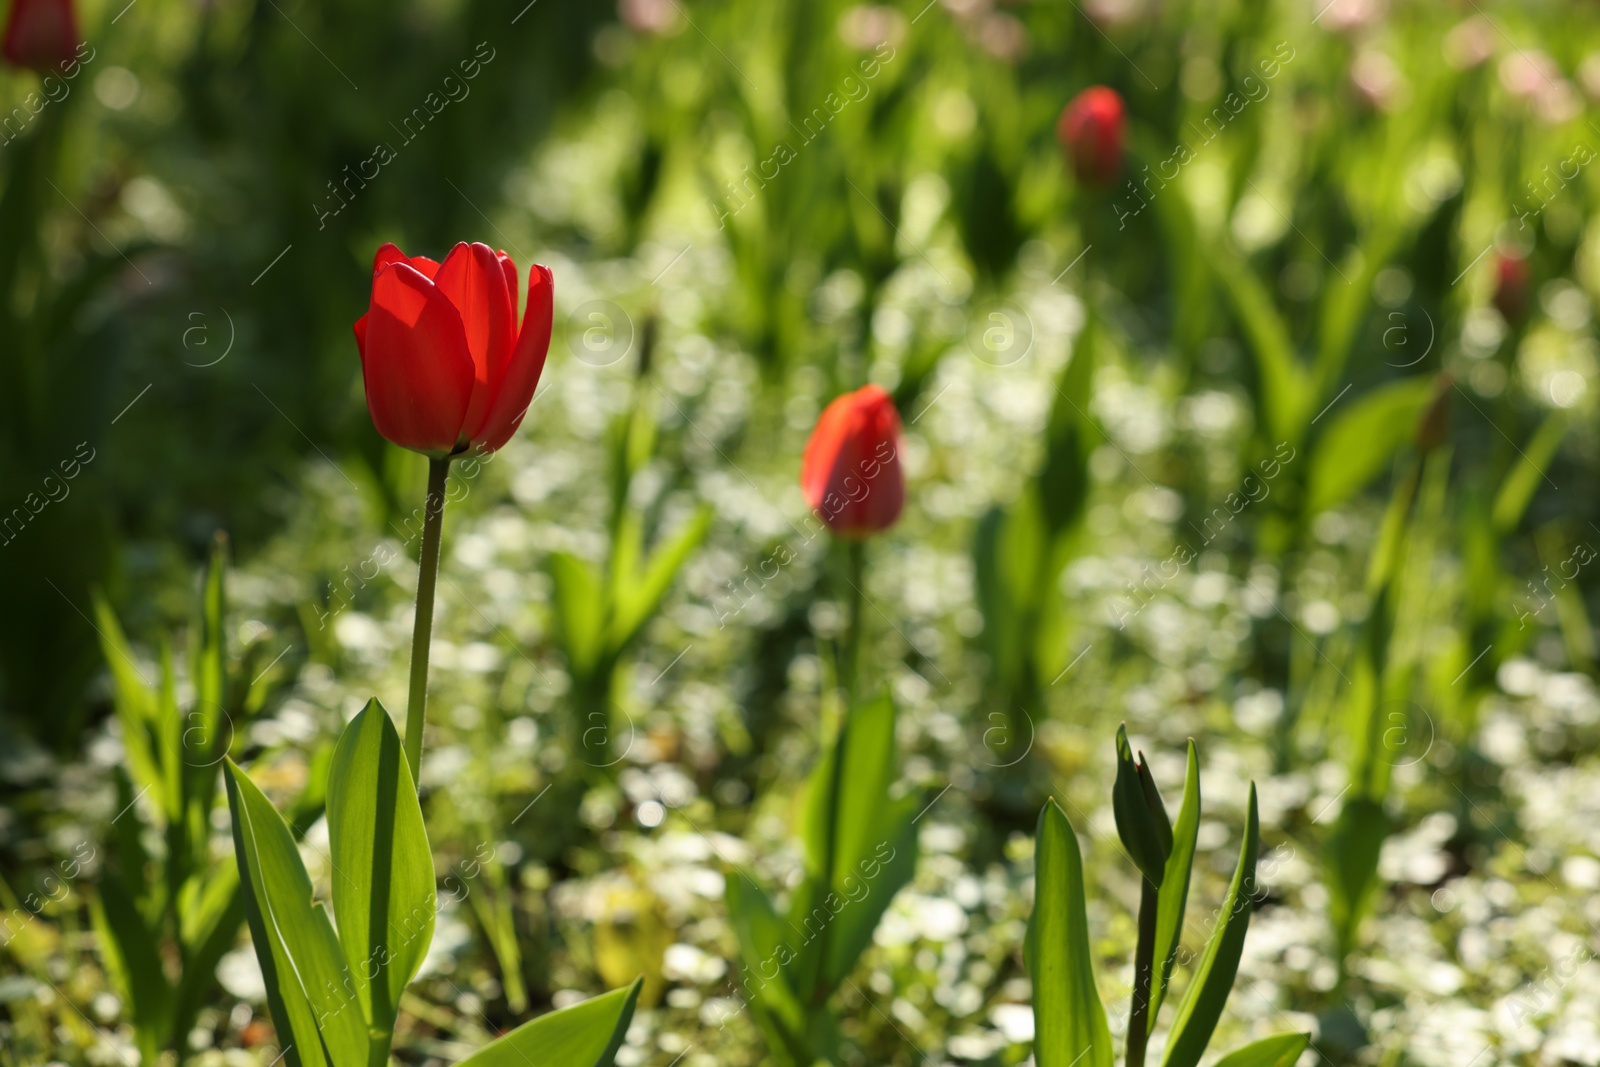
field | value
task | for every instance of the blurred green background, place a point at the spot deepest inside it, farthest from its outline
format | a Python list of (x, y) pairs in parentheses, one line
[(1285, 440)]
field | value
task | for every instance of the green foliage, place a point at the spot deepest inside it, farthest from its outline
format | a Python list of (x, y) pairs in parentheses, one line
[(334, 995), (1069, 1019), (176, 903), (861, 846)]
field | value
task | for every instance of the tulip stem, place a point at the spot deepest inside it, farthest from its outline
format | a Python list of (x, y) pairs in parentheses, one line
[(850, 654), (422, 630)]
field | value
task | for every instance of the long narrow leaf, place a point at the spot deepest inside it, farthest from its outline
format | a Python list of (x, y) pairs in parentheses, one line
[(1280, 1051), (1208, 991), (309, 989), (383, 882), (1175, 884), (1069, 1019), (584, 1035)]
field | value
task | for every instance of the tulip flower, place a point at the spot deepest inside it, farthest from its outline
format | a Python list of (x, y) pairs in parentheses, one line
[(447, 370), (40, 34), (1091, 130), (851, 474), (445, 366), (1513, 276)]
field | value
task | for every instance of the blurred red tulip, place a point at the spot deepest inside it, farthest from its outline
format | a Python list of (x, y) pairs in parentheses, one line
[(444, 364), (1092, 129), (851, 473), (40, 34), (1513, 277)]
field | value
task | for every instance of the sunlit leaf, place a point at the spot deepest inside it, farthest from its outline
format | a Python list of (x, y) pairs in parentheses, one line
[(1280, 1051), (1361, 437), (310, 990), (383, 886), (1213, 980), (1174, 891), (1069, 1019), (584, 1035)]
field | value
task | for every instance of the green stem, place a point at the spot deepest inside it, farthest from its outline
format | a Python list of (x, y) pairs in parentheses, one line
[(850, 648), (1143, 973), (422, 631)]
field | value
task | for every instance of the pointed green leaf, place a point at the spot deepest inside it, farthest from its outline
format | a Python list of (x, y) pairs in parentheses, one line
[(764, 947), (1283, 396), (383, 891), (860, 846), (1511, 502), (135, 703), (584, 1035), (132, 954), (1175, 885), (578, 600), (863, 891), (1069, 1019), (1361, 438), (640, 599), (1280, 1051), (309, 988), (1353, 849), (1213, 981)]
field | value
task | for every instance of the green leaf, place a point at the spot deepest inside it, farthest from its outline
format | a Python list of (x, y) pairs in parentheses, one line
[(1517, 490), (764, 947), (383, 890), (1284, 394), (1068, 1017), (862, 893), (1280, 1051), (1353, 848), (310, 990), (1175, 884), (860, 845), (1360, 440), (1213, 981), (135, 704), (584, 1035), (132, 954), (578, 599), (640, 599), (1136, 823)]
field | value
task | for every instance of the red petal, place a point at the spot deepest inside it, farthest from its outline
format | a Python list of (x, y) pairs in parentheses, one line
[(40, 33), (475, 282), (415, 363), (514, 391), (390, 253), (850, 473), (361, 336)]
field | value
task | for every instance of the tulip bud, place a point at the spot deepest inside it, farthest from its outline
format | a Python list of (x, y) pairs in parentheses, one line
[(851, 474), (40, 34), (445, 366), (1513, 277), (1092, 130), (1142, 821)]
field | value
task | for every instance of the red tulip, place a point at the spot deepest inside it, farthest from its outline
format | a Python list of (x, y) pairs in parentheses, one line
[(444, 364), (1513, 276), (40, 34), (851, 474), (1091, 130)]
